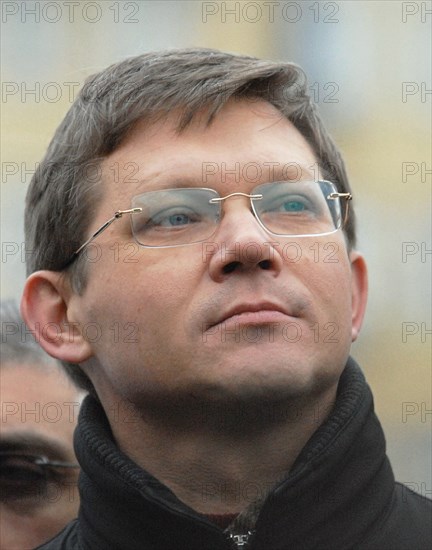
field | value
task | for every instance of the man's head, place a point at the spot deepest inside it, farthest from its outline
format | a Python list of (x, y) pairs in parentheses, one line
[(39, 407), (142, 321)]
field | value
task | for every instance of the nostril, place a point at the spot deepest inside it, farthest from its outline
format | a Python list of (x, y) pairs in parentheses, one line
[(265, 264), (232, 266)]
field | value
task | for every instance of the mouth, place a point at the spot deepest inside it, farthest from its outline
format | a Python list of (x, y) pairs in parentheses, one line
[(253, 314)]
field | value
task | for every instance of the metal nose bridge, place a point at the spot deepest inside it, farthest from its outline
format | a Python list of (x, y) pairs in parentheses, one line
[(220, 199), (258, 196)]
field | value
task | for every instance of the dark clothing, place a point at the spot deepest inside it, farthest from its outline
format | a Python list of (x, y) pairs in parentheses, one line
[(340, 493)]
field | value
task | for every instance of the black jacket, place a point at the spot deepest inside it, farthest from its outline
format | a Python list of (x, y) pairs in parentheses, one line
[(340, 493)]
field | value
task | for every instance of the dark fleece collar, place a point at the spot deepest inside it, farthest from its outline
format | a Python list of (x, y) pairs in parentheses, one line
[(339, 487)]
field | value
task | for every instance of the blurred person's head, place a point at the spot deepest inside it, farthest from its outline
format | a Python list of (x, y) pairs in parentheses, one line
[(38, 468)]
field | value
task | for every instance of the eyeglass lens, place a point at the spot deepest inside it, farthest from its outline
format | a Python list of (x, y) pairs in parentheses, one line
[(180, 216)]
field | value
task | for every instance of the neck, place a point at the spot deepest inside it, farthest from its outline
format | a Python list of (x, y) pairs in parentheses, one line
[(218, 457)]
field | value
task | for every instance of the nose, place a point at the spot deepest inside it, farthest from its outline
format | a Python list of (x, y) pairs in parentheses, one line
[(241, 244)]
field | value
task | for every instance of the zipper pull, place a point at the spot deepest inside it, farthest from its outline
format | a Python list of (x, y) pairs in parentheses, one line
[(241, 541)]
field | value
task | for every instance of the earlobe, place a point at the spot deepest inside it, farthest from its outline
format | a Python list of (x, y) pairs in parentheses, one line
[(44, 308), (359, 292)]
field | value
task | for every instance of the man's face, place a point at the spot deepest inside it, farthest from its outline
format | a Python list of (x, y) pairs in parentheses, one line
[(246, 314), (39, 412)]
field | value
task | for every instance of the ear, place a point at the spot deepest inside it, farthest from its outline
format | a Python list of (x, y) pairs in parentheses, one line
[(44, 308), (359, 292)]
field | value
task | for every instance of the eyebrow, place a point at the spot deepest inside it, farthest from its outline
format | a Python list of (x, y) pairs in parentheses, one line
[(161, 183), (32, 443)]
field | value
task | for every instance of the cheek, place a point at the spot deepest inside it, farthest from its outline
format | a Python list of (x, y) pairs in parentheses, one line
[(325, 272), (19, 530), (171, 282), (146, 298)]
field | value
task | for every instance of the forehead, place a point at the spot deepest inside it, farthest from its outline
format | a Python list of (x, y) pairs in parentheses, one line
[(243, 133)]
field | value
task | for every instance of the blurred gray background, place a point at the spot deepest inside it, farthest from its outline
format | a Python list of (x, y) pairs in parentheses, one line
[(369, 70)]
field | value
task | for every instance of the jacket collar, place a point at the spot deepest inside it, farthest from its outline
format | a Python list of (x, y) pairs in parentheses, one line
[(340, 484)]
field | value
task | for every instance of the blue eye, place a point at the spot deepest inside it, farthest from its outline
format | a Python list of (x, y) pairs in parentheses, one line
[(177, 219), (293, 206)]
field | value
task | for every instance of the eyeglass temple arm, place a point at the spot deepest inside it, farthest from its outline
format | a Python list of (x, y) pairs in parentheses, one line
[(43, 460), (348, 198), (102, 228)]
